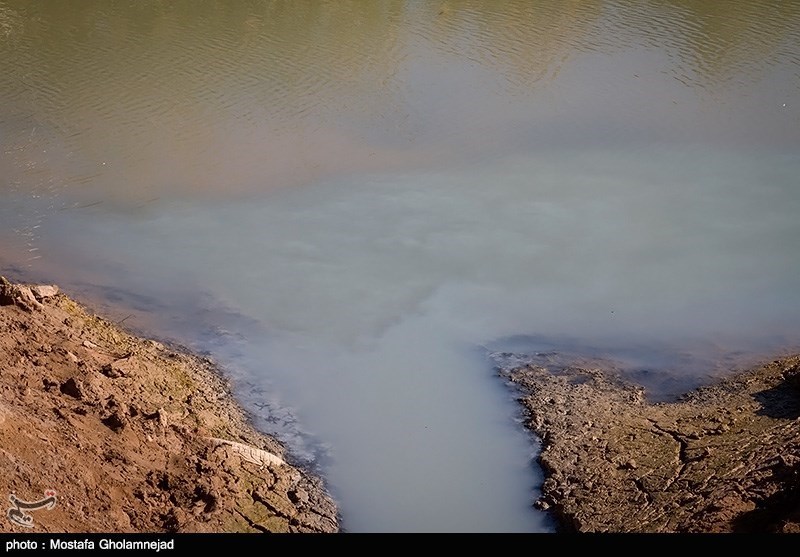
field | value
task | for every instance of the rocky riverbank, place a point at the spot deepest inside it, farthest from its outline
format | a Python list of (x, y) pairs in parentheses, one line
[(722, 458), (102, 431)]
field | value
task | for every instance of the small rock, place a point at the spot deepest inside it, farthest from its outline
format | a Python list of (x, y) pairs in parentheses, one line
[(90, 344), (162, 417), (109, 371), (6, 292), (298, 496), (42, 291), (21, 296)]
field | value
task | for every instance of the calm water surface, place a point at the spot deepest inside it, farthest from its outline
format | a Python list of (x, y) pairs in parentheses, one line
[(349, 203)]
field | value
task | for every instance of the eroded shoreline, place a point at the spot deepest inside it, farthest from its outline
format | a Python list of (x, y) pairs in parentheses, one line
[(723, 458), (133, 435)]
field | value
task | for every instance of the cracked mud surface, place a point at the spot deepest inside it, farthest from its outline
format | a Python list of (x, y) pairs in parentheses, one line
[(723, 458), (123, 429)]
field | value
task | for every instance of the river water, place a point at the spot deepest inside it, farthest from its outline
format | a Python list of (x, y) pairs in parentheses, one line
[(349, 204)]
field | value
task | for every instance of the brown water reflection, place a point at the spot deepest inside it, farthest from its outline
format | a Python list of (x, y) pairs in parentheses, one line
[(131, 102)]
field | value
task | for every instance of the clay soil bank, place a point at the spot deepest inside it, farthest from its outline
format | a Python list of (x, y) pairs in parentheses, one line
[(131, 435)]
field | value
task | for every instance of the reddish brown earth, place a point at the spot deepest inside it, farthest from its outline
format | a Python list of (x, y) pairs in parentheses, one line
[(132, 435)]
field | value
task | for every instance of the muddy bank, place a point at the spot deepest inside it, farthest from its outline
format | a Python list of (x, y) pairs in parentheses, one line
[(110, 432), (722, 458), (114, 433)]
